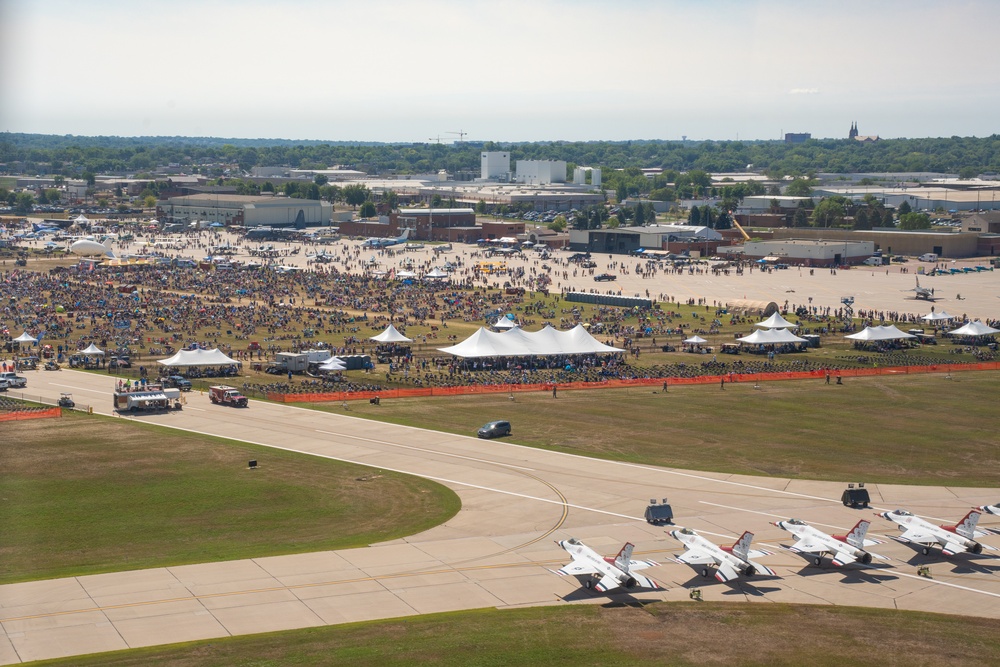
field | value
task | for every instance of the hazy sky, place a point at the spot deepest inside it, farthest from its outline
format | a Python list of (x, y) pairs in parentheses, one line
[(507, 70)]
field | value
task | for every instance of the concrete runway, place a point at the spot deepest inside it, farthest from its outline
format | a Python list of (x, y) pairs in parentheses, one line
[(496, 552)]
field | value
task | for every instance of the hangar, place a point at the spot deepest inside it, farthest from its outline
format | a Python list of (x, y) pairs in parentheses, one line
[(246, 210)]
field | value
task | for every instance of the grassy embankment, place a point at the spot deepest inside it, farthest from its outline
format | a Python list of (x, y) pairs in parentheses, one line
[(84, 495), (914, 429), (578, 636)]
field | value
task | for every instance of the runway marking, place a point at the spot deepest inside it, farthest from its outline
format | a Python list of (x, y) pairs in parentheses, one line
[(93, 391), (422, 449)]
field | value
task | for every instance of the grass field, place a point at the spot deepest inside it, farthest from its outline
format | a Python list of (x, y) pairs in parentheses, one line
[(577, 636), (83, 495), (919, 429)]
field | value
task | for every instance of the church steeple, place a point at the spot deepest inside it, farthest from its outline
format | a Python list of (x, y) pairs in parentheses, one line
[(854, 131)]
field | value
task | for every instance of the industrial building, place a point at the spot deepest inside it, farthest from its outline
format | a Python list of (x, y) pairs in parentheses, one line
[(495, 166), (630, 239), (541, 172), (246, 210), (805, 252)]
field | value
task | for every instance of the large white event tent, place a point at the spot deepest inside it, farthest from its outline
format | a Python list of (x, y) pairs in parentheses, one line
[(520, 343), (390, 335), (776, 321), (771, 337), (198, 357), (976, 328), (25, 338), (937, 317), (886, 332)]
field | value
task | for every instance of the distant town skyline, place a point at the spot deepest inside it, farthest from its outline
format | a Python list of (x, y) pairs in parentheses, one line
[(548, 70)]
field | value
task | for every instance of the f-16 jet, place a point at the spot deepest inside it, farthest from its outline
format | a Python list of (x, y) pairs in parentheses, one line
[(990, 509), (959, 538), (843, 549), (605, 574), (732, 561)]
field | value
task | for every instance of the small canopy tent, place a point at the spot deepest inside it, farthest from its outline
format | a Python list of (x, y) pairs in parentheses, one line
[(405, 275), (333, 364), (391, 335), (937, 317), (504, 323), (976, 328), (93, 349), (436, 274), (198, 357), (776, 321), (694, 340), (25, 338)]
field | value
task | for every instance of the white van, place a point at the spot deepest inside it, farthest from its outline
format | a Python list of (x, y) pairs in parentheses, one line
[(928, 257), (874, 261)]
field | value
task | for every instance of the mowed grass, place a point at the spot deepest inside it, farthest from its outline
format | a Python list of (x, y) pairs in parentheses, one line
[(908, 429), (84, 495), (578, 636)]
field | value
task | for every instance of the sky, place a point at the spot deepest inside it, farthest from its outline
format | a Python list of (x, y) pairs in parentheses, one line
[(507, 70)]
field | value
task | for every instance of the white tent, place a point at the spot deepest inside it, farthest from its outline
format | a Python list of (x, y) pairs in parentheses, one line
[(391, 335), (771, 337), (80, 219), (888, 332), (504, 323), (891, 332), (93, 349), (333, 364), (436, 274), (937, 317), (519, 343), (198, 357), (776, 321), (694, 340), (976, 328), (25, 338), (405, 274)]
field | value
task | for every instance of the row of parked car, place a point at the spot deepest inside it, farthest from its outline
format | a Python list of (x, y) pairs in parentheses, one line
[(11, 380)]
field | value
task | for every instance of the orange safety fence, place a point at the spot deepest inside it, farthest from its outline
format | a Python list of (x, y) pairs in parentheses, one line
[(619, 384), (34, 414)]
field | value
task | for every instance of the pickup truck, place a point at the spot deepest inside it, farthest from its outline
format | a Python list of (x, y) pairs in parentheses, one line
[(177, 382), (224, 395), (14, 380)]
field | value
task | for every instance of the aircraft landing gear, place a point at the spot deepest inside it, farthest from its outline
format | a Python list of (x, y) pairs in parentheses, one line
[(926, 551), (817, 561), (704, 572), (589, 583)]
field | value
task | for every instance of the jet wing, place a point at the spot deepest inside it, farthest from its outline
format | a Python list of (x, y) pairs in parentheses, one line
[(763, 569), (952, 548), (634, 565), (696, 557), (726, 572), (843, 558), (758, 553), (607, 583), (810, 547), (645, 581), (918, 536), (577, 568)]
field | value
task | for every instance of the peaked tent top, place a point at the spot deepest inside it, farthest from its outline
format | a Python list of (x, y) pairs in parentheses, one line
[(390, 335), (976, 328), (25, 338), (93, 349), (776, 321), (213, 357)]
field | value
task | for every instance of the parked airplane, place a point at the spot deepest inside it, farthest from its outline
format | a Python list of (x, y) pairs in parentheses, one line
[(923, 293), (322, 257), (89, 248), (953, 539), (990, 509), (843, 549), (609, 573), (376, 242), (731, 561)]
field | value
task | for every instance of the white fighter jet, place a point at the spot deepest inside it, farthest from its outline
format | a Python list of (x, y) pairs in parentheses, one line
[(953, 539), (604, 574), (990, 509), (731, 561), (843, 549)]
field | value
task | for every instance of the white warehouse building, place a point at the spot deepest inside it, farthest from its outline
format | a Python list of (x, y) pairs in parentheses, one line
[(541, 172), (495, 166)]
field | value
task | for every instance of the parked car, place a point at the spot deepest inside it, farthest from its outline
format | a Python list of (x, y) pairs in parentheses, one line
[(177, 382), (495, 429), (602, 277), (4, 386), (14, 380)]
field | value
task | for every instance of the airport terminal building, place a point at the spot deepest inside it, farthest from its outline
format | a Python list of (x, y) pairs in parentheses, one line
[(246, 210)]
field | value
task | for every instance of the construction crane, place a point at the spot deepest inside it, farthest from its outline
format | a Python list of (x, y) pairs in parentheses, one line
[(461, 135), (436, 139)]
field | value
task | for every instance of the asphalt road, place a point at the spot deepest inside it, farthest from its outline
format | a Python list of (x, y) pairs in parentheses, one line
[(498, 551)]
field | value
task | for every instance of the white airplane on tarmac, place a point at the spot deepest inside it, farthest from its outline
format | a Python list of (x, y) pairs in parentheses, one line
[(843, 549), (610, 573), (953, 539), (990, 509), (731, 561), (376, 242)]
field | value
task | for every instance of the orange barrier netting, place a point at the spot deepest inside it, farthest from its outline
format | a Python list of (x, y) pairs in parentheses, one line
[(619, 384), (35, 414)]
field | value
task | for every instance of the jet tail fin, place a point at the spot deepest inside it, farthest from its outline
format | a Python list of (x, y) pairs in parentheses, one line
[(624, 556), (856, 538), (967, 526), (742, 546), (110, 249)]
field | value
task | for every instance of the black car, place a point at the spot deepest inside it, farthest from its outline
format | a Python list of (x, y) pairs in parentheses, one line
[(601, 277), (495, 429)]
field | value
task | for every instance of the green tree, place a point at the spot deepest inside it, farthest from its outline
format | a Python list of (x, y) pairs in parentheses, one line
[(391, 198), (356, 194), (829, 212), (800, 218), (436, 201), (368, 210), (966, 173), (904, 208), (149, 201), (24, 203), (291, 189), (558, 224), (914, 221), (694, 217), (267, 187), (320, 179), (862, 220), (481, 207), (639, 216), (90, 178), (799, 187)]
